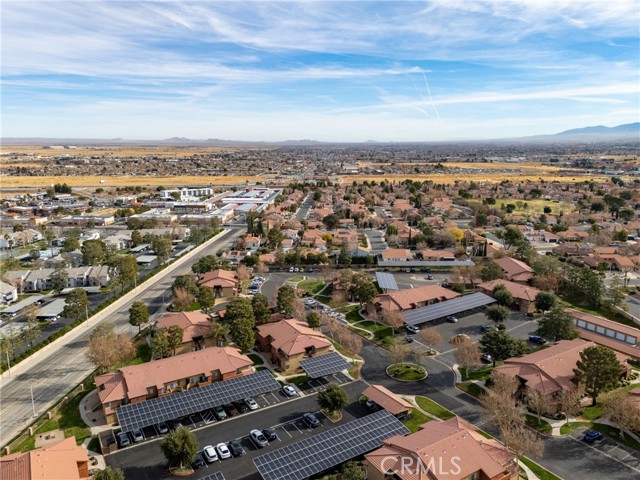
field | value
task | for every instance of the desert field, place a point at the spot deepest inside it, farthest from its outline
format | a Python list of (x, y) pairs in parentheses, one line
[(522, 166), (448, 179), (164, 151), (123, 181)]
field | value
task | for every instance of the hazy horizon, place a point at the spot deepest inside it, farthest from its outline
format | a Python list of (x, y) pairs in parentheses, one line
[(336, 72)]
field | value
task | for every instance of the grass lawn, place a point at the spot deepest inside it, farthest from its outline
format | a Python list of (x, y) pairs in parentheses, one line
[(339, 348), (479, 374), (417, 418), (541, 426), (299, 379), (407, 372), (352, 314), (614, 433), (143, 355), (67, 419), (566, 429), (541, 472), (296, 279), (471, 388), (535, 206), (433, 408), (256, 359), (593, 412), (312, 286)]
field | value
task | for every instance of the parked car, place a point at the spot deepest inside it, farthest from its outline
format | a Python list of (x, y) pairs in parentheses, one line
[(429, 277), (210, 454), (371, 405), (236, 448), (162, 428), (486, 328), (591, 436), (270, 434), (486, 358), (231, 410), (409, 339), (198, 462), (289, 391), (538, 340), (251, 403), (241, 406), (311, 420), (411, 328), (137, 435), (123, 439), (219, 412), (258, 439), (452, 319), (174, 424), (223, 451)]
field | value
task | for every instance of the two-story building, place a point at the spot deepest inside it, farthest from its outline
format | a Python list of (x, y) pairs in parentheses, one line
[(224, 282), (158, 378), (412, 298)]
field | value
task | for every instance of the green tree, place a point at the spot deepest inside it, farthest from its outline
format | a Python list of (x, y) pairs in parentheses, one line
[(206, 298), (58, 279), (70, 245), (353, 471), (344, 257), (331, 221), (108, 474), (261, 310), (497, 313), (205, 264), (502, 295), (238, 309), (545, 301), (525, 251), (512, 236), (160, 345), (179, 447), (500, 345), (218, 332), (490, 271), (557, 324), (364, 288), (162, 247), (76, 305), (333, 398), (313, 319), (94, 252), (31, 333), (598, 370), (592, 286), (138, 314), (286, 297), (174, 337), (123, 270), (616, 293), (136, 238), (241, 332), (274, 238), (185, 282)]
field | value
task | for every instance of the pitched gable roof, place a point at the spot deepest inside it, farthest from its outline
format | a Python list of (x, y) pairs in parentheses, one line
[(409, 298), (293, 336), (193, 324)]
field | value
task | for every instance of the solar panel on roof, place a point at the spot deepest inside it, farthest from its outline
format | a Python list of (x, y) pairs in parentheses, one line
[(425, 263), (181, 404), (386, 281), (324, 365), (320, 452), (214, 476), (444, 309)]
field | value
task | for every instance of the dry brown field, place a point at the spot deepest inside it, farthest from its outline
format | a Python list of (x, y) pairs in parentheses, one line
[(448, 179), (522, 166), (164, 151), (124, 181)]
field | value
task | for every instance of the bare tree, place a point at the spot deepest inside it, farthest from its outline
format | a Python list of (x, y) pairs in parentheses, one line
[(498, 402), (521, 440), (182, 299), (467, 355), (351, 342), (243, 273), (430, 337), (107, 348), (262, 268), (539, 403), (298, 310), (392, 319), (330, 324), (398, 352), (339, 296), (570, 402), (623, 413)]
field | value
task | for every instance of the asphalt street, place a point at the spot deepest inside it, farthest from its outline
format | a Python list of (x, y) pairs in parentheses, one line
[(146, 462), (41, 380)]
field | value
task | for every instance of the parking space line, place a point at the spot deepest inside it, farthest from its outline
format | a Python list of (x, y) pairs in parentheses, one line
[(275, 398), (296, 427), (287, 431)]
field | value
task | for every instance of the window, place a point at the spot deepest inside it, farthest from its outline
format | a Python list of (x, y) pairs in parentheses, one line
[(610, 333), (620, 336), (591, 326), (600, 330)]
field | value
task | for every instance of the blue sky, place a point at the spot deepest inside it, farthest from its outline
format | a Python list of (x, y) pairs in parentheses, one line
[(330, 71)]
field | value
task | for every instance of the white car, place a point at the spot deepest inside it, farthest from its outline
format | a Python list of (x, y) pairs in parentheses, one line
[(289, 391), (223, 451), (210, 454), (251, 403), (310, 301)]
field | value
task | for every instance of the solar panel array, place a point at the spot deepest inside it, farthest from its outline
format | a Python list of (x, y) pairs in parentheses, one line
[(444, 309), (425, 263), (386, 281), (320, 452), (214, 476), (323, 365), (181, 404)]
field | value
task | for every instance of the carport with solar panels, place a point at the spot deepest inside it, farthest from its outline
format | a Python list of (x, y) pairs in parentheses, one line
[(328, 449), (181, 404), (324, 365), (386, 281), (442, 310)]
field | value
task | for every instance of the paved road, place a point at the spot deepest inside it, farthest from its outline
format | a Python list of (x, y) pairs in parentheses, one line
[(303, 211), (51, 373), (376, 240), (145, 461)]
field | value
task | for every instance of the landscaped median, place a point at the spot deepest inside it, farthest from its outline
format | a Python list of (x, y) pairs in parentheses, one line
[(406, 372), (434, 408)]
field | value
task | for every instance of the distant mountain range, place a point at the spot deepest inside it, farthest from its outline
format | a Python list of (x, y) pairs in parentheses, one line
[(627, 132)]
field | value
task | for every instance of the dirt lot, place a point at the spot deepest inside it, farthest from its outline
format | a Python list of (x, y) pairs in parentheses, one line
[(122, 181)]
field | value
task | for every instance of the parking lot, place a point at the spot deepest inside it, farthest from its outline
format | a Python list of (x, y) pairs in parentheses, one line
[(318, 384), (145, 460), (611, 449)]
